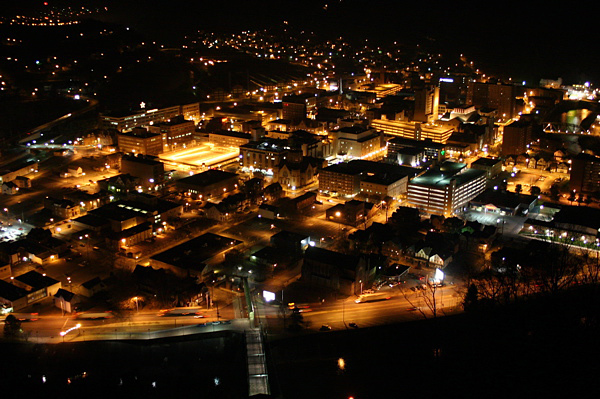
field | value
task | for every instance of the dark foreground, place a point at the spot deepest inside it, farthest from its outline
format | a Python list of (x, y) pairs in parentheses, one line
[(543, 348)]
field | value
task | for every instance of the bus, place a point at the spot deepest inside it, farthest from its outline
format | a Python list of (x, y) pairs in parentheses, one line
[(378, 296)]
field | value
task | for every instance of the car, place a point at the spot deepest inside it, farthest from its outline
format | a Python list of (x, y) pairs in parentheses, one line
[(353, 325), (413, 309), (325, 327)]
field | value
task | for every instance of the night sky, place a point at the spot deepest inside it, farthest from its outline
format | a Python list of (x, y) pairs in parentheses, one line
[(525, 42)]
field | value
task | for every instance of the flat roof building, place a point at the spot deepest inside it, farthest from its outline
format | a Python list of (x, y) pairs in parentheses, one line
[(212, 183), (413, 130), (446, 189)]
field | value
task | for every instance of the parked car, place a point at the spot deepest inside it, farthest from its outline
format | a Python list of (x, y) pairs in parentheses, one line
[(325, 327)]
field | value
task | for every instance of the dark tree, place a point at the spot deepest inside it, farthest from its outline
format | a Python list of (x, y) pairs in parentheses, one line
[(535, 190), (518, 188), (554, 192), (471, 298), (572, 197), (12, 327)]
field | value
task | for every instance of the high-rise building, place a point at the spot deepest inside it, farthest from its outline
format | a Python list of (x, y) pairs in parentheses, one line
[(427, 101), (516, 137), (585, 174), (498, 96), (446, 189)]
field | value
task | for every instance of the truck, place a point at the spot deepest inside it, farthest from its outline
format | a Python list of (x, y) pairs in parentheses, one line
[(378, 296)]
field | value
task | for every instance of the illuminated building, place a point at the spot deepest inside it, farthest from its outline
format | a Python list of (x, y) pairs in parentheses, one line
[(140, 141), (426, 104), (446, 189), (413, 130), (263, 155), (380, 179), (225, 138), (356, 141), (176, 133), (209, 184), (149, 117), (406, 150)]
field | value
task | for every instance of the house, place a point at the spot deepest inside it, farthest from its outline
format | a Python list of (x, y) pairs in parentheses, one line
[(217, 212), (22, 182), (66, 300), (270, 212), (92, 287), (62, 208), (119, 184), (74, 170), (10, 188)]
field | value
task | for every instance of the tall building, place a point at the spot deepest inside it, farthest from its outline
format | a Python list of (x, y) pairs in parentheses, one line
[(516, 137), (494, 95), (585, 174), (446, 189), (427, 101)]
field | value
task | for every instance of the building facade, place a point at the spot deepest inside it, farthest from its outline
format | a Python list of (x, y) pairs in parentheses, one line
[(140, 141), (446, 190)]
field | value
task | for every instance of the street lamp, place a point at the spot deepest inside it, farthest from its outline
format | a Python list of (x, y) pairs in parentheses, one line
[(137, 306)]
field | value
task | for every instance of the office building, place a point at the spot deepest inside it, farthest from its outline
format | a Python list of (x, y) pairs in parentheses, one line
[(381, 179), (149, 171), (494, 95), (209, 184), (413, 130), (426, 104), (356, 142), (140, 141), (446, 190), (148, 117), (585, 174), (176, 133), (516, 138)]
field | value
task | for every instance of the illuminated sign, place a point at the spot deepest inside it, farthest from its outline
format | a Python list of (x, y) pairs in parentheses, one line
[(447, 80), (268, 295)]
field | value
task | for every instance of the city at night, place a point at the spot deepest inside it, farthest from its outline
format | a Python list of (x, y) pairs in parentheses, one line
[(320, 199)]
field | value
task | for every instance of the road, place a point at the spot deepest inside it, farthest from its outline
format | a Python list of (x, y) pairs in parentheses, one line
[(338, 314)]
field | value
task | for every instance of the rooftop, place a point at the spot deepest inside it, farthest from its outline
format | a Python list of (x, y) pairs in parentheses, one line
[(36, 280), (196, 251), (207, 178)]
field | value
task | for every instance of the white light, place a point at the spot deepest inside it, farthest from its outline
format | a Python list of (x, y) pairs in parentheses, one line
[(268, 296)]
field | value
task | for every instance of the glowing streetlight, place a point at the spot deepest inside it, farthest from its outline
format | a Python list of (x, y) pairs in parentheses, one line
[(137, 307)]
